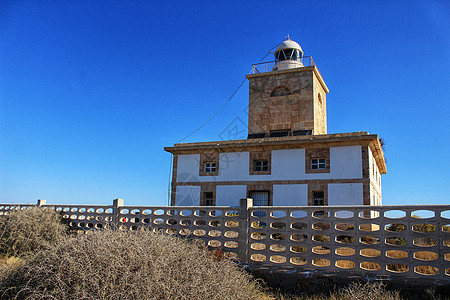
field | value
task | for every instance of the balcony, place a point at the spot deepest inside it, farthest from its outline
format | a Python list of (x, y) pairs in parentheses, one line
[(264, 67)]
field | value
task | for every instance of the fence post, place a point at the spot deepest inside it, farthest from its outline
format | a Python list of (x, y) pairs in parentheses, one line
[(244, 228), (41, 202), (117, 203)]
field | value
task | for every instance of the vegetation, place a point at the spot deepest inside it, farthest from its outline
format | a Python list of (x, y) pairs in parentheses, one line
[(26, 231)]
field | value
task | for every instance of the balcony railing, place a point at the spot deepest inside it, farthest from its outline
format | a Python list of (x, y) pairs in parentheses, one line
[(263, 67)]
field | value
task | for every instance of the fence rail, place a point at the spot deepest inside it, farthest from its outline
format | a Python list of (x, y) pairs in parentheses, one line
[(397, 241)]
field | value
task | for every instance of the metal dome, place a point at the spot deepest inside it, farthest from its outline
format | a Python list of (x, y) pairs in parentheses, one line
[(289, 44)]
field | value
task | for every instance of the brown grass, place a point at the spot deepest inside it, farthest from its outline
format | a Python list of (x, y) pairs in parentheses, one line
[(127, 265), (25, 231)]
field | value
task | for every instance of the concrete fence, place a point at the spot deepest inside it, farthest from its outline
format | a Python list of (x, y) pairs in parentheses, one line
[(393, 241)]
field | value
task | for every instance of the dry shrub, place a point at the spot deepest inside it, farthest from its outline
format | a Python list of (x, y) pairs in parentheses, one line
[(29, 230), (127, 265)]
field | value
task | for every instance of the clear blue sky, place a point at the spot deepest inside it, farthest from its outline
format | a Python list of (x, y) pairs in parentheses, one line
[(91, 91)]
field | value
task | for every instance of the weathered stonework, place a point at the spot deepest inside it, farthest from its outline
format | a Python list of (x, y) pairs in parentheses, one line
[(287, 100)]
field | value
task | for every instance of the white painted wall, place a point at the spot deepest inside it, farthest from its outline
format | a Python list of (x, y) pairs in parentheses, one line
[(187, 196), (188, 168), (229, 195), (345, 194), (290, 195), (346, 163)]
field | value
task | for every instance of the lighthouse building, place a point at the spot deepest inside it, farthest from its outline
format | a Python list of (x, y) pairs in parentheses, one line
[(288, 157)]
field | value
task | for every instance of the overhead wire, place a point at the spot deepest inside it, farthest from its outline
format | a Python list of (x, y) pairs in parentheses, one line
[(226, 102)]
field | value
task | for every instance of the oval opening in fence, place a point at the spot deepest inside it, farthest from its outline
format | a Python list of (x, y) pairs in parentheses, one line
[(278, 214), (232, 213), (321, 262), (277, 248), (396, 254), (277, 225), (299, 226), (122, 211), (424, 228), (369, 227), (171, 212), (299, 237), (298, 261), (231, 234), (446, 243), (258, 246), (74, 209), (215, 223), (215, 213), (446, 228), (258, 257), (230, 244), (397, 268), (445, 214), (259, 214), (320, 250), (425, 242), (278, 259), (298, 214), (425, 255), (185, 222), (214, 233), (184, 232), (344, 226), (171, 222), (278, 236), (321, 226), (320, 214), (171, 231), (447, 256), (158, 212), (321, 238), (345, 251), (345, 264), (258, 235), (345, 239), (200, 213), (298, 249), (394, 214), (370, 266), (396, 241), (184, 213), (369, 214), (214, 243), (134, 220), (422, 214), (109, 211), (81, 217), (199, 222), (133, 212), (369, 252), (344, 214), (147, 212), (232, 224), (146, 221), (426, 270), (199, 232), (158, 221), (395, 227), (369, 240)]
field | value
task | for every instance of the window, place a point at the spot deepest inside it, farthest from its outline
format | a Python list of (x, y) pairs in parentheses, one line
[(318, 163), (260, 165), (208, 199), (210, 167), (318, 198)]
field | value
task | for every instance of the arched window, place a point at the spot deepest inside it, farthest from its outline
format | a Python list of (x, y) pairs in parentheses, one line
[(280, 91)]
